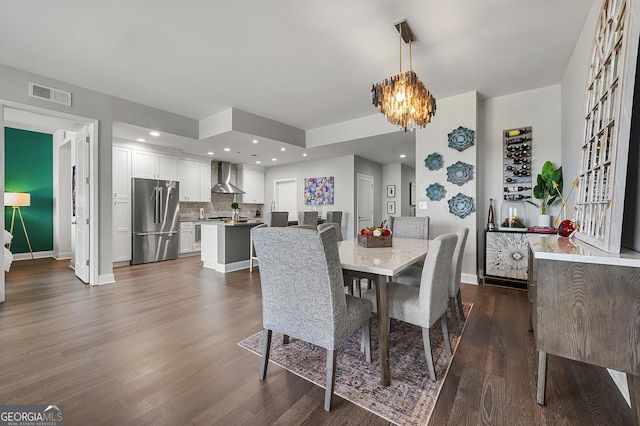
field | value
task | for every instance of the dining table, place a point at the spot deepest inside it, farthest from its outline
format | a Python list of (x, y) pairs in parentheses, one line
[(380, 265)]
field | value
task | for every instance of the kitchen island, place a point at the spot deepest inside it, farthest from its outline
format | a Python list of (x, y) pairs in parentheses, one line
[(225, 245)]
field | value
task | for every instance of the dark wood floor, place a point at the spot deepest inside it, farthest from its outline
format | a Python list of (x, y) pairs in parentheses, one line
[(160, 347)]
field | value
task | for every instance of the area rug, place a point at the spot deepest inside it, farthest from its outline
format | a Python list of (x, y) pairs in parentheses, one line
[(412, 395)]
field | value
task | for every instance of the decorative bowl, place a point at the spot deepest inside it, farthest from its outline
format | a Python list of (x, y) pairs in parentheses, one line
[(433, 161), (460, 173), (461, 205), (461, 138), (436, 192)]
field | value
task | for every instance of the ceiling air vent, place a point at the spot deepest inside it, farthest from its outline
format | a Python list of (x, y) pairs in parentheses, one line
[(49, 94)]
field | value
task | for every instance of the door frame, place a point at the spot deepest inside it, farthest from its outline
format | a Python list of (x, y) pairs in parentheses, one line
[(373, 210), (276, 194), (94, 213)]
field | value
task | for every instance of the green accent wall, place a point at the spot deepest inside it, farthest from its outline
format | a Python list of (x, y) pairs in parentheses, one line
[(29, 168)]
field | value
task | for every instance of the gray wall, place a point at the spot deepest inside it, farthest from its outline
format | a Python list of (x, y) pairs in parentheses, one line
[(93, 105)]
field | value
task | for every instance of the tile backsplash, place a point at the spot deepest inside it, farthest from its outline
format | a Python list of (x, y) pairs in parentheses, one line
[(220, 204)]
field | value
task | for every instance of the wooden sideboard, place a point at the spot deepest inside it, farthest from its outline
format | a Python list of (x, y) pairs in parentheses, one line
[(585, 306)]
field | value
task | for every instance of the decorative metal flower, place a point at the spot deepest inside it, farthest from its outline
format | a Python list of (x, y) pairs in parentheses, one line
[(433, 161), (460, 173), (435, 192), (461, 138), (461, 205)]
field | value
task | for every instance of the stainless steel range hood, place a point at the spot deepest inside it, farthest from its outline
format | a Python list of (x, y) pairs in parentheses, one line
[(224, 185)]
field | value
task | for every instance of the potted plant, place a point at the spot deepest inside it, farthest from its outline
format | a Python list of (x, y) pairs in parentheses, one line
[(546, 191), (235, 207)]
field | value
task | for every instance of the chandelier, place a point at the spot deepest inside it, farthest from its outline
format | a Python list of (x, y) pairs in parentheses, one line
[(403, 98)]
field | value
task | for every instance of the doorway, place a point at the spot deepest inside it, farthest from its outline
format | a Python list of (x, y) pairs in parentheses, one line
[(284, 196), (48, 121), (365, 201)]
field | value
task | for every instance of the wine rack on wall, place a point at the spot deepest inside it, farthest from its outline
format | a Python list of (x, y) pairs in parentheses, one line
[(517, 146)]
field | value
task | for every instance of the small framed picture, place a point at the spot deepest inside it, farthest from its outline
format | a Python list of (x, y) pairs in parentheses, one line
[(391, 191), (412, 194), (391, 207)]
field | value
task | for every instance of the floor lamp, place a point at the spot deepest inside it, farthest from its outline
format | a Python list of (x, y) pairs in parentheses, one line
[(17, 200)]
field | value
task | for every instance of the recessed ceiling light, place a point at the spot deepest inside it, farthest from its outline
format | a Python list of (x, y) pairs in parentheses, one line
[(258, 162), (304, 155), (154, 133), (227, 149), (282, 149), (209, 153), (255, 141), (402, 156), (141, 140), (274, 159)]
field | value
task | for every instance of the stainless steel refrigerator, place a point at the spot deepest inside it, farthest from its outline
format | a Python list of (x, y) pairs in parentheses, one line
[(154, 220)]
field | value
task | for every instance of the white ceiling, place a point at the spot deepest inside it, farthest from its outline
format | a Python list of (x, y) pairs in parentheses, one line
[(305, 64)]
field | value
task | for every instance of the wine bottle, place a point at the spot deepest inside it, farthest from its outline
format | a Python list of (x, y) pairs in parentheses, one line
[(518, 140), (509, 180), (516, 188), (509, 168), (491, 223), (515, 132), (516, 197)]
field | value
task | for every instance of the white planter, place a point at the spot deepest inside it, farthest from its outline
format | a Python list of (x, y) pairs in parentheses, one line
[(544, 221)]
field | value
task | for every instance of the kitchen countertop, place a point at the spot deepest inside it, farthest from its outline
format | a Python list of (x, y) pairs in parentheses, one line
[(252, 220), (225, 223)]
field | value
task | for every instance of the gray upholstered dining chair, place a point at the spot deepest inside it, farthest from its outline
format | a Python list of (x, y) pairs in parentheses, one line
[(308, 217), (424, 305), (277, 219), (334, 217), (335, 226), (409, 227), (412, 275), (303, 295)]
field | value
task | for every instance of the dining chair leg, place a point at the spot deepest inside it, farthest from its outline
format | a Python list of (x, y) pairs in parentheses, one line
[(285, 339), (358, 287), (348, 282), (427, 352), (266, 347), (331, 378), (366, 340), (454, 317), (445, 333), (460, 306)]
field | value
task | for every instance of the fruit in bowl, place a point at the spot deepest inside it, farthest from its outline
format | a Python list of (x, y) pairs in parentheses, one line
[(378, 231)]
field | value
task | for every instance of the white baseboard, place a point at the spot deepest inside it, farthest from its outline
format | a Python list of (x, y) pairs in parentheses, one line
[(36, 255), (106, 279), (62, 256), (469, 279)]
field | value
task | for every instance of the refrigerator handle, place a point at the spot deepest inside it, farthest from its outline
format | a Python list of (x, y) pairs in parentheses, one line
[(161, 202), (155, 207)]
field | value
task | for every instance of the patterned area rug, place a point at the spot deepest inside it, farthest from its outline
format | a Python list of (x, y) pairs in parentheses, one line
[(412, 395)]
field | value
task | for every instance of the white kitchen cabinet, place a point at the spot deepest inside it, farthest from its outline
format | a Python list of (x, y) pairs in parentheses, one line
[(121, 172), (205, 182), (186, 237), (121, 230), (251, 180), (154, 165), (195, 181)]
